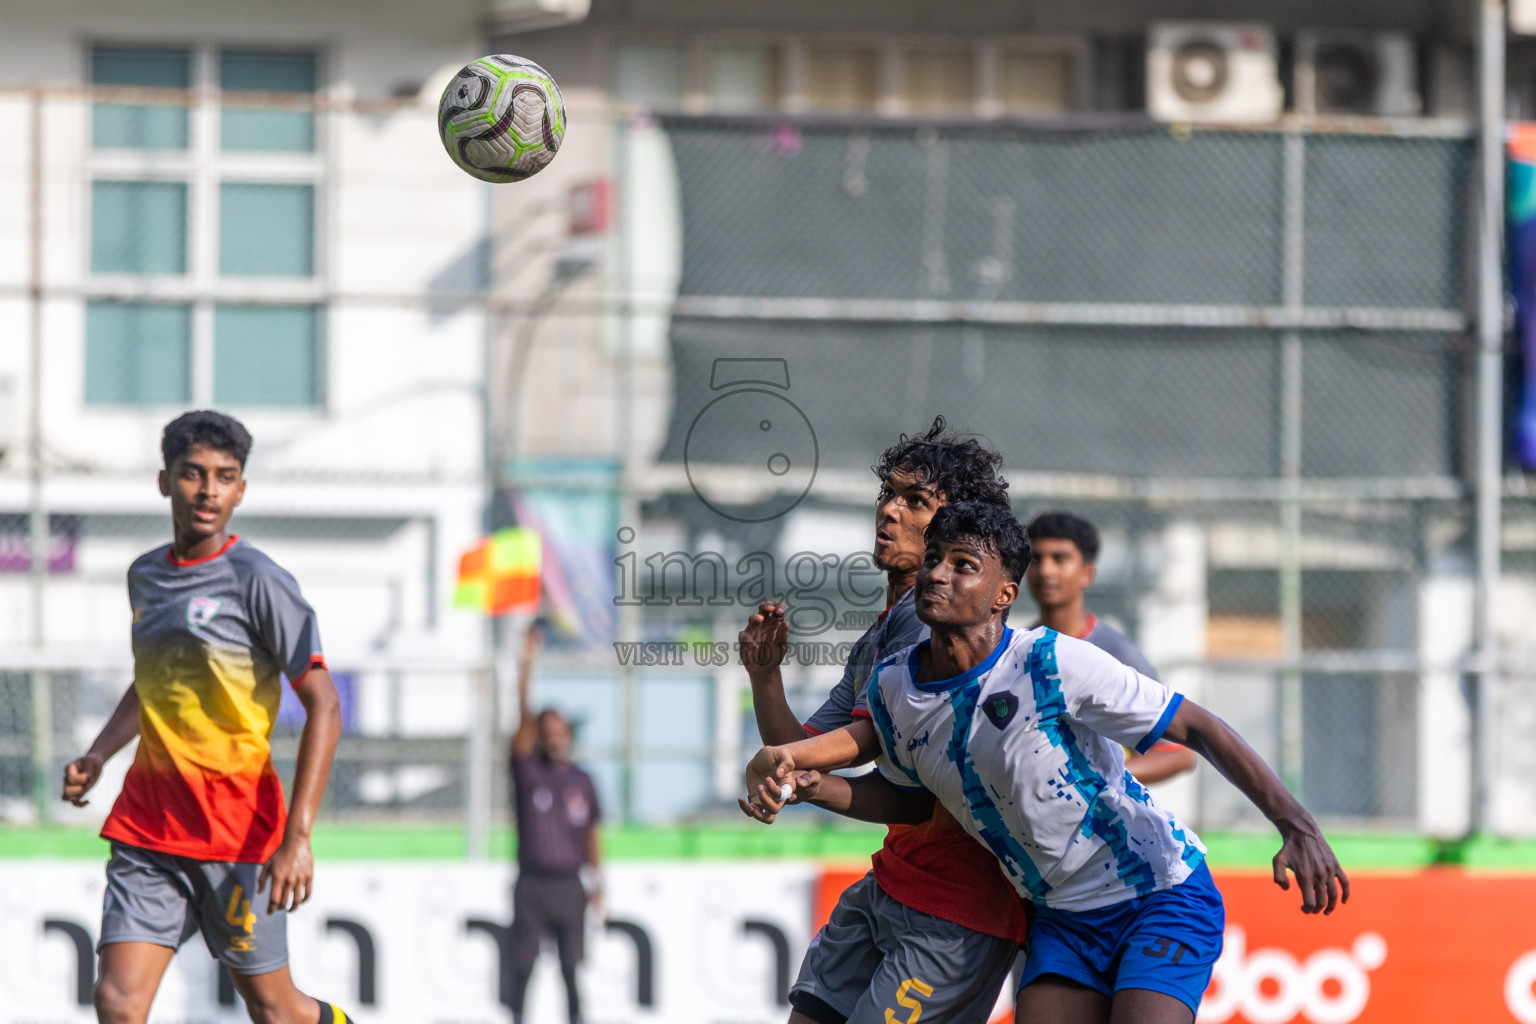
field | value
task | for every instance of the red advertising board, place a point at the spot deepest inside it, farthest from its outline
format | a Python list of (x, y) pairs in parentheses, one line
[(1426, 947)]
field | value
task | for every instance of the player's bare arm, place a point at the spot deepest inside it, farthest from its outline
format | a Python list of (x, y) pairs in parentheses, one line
[(83, 772), (1160, 765), (770, 767), (763, 644), (527, 735), (288, 876), (1303, 849), (869, 797)]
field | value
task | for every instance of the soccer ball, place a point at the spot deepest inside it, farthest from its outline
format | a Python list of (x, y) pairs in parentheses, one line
[(501, 118)]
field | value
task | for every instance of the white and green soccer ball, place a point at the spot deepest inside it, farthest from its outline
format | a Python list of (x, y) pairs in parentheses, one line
[(501, 118)]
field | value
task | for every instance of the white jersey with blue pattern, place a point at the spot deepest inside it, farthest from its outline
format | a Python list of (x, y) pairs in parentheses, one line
[(1025, 750)]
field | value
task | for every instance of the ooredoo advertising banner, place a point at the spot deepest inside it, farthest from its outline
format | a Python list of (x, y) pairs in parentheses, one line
[(1428, 947), (1433, 946)]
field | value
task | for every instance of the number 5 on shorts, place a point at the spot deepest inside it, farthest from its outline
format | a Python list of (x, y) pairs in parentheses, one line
[(910, 985)]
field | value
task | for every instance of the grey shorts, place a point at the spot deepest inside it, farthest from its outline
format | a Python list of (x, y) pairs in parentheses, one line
[(162, 899), (877, 960)]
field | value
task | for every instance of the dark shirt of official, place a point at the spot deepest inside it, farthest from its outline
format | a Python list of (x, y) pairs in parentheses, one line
[(555, 805)]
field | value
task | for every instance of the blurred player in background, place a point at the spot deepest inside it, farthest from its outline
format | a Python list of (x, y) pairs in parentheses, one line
[(556, 814), (1063, 567), (200, 830), (1020, 735), (935, 907)]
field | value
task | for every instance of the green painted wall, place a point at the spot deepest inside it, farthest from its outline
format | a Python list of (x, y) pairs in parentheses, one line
[(1230, 851)]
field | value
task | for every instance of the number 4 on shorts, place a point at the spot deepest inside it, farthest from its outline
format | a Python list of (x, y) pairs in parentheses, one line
[(238, 913)]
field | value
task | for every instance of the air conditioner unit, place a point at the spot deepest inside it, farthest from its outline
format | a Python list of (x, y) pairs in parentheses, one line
[(1342, 72), (528, 15), (1199, 71), (1522, 17)]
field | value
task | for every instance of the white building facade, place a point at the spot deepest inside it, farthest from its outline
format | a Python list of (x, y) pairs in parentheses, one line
[(262, 221)]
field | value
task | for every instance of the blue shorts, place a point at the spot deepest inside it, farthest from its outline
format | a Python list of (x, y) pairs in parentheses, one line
[(1166, 941)]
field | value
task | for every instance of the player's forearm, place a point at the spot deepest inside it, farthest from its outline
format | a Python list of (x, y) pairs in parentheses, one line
[(526, 737), (872, 797), (1219, 743), (317, 748), (1160, 765), (776, 721), (121, 728), (841, 748)]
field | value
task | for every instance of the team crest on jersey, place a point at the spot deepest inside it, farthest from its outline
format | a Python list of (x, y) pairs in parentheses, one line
[(201, 610), (1000, 709)]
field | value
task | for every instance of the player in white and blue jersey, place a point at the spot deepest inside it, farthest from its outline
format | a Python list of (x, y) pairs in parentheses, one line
[(1019, 735)]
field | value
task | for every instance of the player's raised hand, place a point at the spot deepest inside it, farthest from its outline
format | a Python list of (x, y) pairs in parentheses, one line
[(1319, 876), (766, 639), (79, 776), (533, 639), (291, 872)]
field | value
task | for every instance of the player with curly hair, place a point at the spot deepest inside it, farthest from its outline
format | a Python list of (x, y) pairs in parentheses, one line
[(1020, 735), (934, 906)]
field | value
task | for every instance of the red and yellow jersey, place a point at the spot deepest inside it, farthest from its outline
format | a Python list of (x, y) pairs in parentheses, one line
[(211, 640)]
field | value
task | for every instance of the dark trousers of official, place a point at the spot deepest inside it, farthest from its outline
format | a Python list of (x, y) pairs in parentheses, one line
[(547, 904)]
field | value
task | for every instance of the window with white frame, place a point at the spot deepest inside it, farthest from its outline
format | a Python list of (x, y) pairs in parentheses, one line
[(204, 277)]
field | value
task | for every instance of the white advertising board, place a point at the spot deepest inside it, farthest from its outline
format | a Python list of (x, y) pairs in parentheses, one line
[(693, 943)]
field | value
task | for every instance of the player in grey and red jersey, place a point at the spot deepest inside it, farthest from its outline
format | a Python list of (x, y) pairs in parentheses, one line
[(934, 924)]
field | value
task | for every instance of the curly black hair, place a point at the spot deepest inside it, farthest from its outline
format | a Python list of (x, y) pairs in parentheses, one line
[(1066, 526), (206, 427), (991, 525), (957, 465)]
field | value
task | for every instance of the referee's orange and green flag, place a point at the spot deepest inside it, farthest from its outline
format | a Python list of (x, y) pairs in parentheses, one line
[(500, 575)]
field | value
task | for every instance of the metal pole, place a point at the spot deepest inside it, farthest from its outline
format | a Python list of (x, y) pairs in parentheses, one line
[(479, 763), (628, 625), (1293, 265), (478, 759), (628, 513), (1490, 407), (42, 683)]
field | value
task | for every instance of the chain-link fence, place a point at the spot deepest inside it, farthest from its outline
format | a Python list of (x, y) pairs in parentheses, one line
[(1242, 354)]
